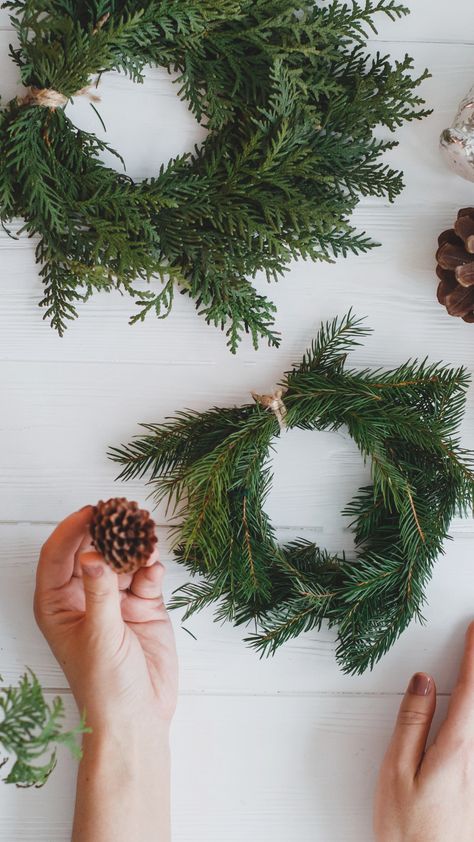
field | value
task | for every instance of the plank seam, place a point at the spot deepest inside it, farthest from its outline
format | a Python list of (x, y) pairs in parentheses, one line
[(283, 694), (458, 529)]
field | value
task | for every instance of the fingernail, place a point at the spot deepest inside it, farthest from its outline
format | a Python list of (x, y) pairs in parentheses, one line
[(420, 685), (93, 570)]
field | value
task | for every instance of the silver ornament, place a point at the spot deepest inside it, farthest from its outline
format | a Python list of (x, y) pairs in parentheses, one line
[(457, 142)]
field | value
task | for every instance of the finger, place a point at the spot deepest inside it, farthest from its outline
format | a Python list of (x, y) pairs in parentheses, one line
[(466, 670), (145, 603), (124, 579), (86, 546), (137, 610), (101, 592), (460, 717), (414, 720), (56, 562), (147, 583), (155, 556)]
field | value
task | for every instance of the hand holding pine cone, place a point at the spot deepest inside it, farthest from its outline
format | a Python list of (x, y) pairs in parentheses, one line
[(123, 534), (455, 270)]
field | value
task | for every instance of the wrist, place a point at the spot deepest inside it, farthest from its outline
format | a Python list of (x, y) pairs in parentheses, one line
[(124, 783), (128, 743), (108, 718)]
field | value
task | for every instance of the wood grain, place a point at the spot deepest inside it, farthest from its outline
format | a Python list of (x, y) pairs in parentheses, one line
[(275, 769), (275, 750)]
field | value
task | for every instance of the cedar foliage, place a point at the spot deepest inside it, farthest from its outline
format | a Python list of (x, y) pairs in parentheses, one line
[(291, 99), (213, 468), (31, 728)]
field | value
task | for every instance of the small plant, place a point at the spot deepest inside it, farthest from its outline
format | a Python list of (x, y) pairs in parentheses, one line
[(30, 728)]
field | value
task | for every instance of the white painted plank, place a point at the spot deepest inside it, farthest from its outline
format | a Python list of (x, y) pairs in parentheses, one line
[(58, 422), (57, 425), (218, 662), (428, 21), (274, 770), (392, 286)]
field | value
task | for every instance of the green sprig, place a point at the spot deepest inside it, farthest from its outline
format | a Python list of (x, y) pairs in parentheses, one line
[(30, 728)]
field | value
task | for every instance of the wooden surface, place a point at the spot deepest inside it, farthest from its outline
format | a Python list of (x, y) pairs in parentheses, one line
[(275, 750)]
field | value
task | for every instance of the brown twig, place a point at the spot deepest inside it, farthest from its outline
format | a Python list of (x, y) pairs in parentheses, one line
[(403, 383), (247, 540), (412, 504), (101, 23)]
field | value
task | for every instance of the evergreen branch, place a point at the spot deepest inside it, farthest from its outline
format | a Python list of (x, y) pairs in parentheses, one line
[(30, 729)]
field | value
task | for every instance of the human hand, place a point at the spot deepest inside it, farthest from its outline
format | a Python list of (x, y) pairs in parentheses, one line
[(427, 795), (111, 634)]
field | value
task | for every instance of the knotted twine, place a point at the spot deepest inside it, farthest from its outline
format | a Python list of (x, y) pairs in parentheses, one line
[(49, 98), (274, 403)]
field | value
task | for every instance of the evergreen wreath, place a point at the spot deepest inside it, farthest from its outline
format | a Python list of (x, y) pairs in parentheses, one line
[(291, 100), (213, 468)]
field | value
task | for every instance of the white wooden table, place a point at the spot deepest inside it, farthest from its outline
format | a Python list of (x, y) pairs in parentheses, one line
[(277, 750)]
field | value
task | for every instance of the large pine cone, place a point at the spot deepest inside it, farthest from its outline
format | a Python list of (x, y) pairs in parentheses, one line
[(455, 268), (123, 534)]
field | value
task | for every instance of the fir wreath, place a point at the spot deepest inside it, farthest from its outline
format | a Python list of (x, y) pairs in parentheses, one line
[(291, 101), (214, 467)]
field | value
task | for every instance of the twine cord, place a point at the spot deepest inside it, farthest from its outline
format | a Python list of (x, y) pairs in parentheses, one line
[(49, 98), (274, 403)]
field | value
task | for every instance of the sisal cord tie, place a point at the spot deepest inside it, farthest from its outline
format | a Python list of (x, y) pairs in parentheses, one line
[(274, 403), (49, 98)]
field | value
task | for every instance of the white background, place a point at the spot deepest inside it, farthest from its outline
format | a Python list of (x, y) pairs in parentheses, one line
[(277, 750)]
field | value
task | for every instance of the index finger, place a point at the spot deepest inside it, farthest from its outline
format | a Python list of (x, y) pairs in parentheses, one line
[(460, 718), (56, 562)]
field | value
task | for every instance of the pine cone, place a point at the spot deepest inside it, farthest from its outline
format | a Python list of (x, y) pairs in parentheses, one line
[(123, 534), (455, 270)]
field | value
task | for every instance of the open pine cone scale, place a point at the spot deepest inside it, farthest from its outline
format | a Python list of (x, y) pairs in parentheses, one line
[(455, 269), (123, 533)]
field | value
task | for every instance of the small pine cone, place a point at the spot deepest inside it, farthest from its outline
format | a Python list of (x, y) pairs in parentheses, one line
[(123, 534), (455, 270)]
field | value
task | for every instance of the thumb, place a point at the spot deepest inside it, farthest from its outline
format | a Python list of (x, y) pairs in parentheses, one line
[(101, 590), (413, 725)]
